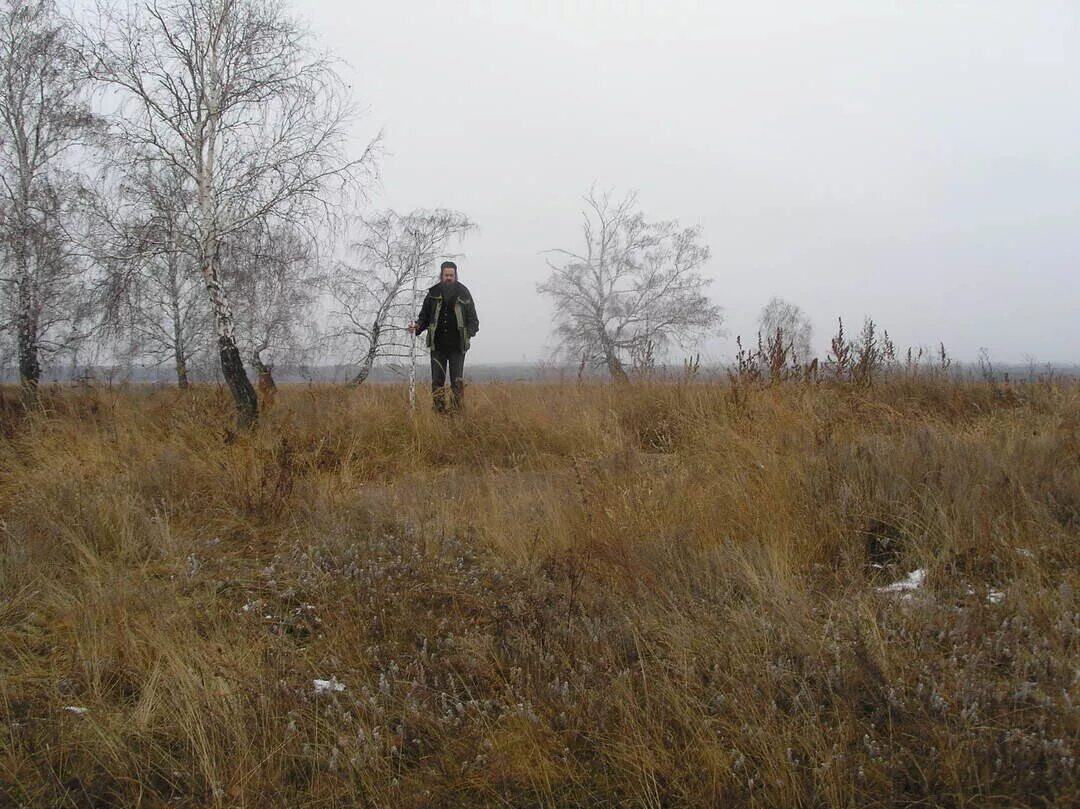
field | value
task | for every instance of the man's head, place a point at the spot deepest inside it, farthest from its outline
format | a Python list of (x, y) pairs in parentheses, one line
[(448, 271)]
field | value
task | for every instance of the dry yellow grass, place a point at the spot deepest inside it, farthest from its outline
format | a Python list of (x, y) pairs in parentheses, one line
[(576, 596)]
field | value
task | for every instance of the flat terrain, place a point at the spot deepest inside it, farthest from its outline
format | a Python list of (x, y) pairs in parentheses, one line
[(671, 595)]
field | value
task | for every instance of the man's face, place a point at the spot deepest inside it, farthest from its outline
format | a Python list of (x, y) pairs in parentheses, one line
[(448, 274)]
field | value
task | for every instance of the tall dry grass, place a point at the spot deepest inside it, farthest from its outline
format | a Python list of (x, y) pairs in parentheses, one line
[(575, 596)]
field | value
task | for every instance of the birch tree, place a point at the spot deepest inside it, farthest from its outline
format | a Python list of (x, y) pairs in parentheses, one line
[(43, 117), (631, 290), (230, 93), (155, 297), (376, 295), (273, 272), (168, 319)]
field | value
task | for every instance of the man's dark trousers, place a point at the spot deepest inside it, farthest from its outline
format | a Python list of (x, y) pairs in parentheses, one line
[(447, 361)]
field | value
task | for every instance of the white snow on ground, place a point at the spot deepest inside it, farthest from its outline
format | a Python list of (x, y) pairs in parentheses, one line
[(75, 709), (992, 597), (906, 587), (913, 581), (1027, 553), (327, 686)]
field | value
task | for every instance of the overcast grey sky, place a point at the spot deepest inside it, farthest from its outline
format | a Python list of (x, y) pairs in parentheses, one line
[(915, 160)]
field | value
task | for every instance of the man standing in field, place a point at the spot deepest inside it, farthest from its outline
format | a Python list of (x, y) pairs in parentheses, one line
[(449, 317)]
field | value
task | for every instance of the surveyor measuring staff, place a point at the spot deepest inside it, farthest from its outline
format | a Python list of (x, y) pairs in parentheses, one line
[(449, 317)]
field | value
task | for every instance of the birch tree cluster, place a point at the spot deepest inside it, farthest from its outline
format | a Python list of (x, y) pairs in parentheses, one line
[(174, 176), (183, 188)]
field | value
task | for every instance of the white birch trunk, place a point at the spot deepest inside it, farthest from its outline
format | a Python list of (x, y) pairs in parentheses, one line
[(232, 366)]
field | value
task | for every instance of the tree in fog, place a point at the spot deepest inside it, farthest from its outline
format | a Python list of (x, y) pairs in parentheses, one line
[(796, 332), (158, 301), (231, 93), (375, 297), (271, 270), (43, 119), (631, 290)]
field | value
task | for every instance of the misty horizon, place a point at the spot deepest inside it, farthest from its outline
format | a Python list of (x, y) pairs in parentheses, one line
[(910, 164)]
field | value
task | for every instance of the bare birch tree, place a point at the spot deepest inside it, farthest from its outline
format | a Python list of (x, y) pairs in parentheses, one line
[(168, 316), (273, 274), (231, 93), (377, 296), (633, 290), (155, 298), (43, 116), (783, 320)]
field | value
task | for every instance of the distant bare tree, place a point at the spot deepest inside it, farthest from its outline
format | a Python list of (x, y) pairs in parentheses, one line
[(376, 297), (312, 352), (43, 116), (633, 290), (158, 301), (273, 275), (230, 93), (169, 317), (783, 318)]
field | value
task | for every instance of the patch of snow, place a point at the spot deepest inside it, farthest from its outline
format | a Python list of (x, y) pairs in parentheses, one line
[(913, 581), (1027, 553), (992, 597), (75, 709), (328, 686)]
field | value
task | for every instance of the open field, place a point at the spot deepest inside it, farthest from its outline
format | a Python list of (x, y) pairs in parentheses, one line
[(576, 596)]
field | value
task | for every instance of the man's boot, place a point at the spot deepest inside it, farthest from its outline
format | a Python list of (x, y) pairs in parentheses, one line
[(457, 390), (438, 398)]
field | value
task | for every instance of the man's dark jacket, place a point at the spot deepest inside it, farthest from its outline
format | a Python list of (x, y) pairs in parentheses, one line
[(464, 315)]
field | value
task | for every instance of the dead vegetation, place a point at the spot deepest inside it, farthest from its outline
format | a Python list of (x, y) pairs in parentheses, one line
[(579, 595)]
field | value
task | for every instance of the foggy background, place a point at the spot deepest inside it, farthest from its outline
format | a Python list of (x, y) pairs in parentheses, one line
[(913, 161)]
